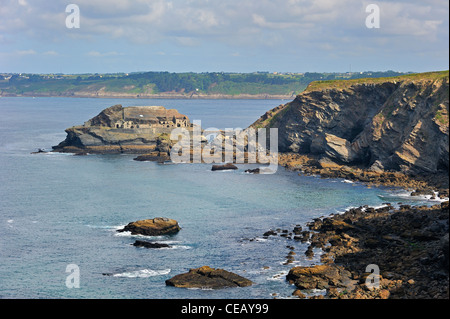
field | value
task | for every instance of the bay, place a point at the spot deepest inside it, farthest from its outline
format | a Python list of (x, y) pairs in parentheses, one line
[(58, 209)]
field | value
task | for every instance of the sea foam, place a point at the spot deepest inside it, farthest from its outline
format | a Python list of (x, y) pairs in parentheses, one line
[(142, 273)]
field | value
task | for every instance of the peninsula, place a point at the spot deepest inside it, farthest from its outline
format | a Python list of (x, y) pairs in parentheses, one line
[(117, 129)]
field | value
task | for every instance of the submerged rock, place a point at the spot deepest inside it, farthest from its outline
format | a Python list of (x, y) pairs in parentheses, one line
[(208, 278), (40, 150), (153, 227)]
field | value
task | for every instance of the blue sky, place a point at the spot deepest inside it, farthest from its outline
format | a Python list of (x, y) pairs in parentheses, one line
[(223, 35)]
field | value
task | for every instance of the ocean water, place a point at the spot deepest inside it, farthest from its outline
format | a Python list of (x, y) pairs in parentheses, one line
[(58, 210)]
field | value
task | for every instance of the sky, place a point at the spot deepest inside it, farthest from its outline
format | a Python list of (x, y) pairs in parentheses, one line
[(223, 36)]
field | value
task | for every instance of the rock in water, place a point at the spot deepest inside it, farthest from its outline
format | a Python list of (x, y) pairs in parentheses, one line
[(223, 167), (208, 278), (153, 227), (146, 244)]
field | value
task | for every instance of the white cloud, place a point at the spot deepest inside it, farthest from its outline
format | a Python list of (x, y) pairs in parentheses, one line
[(104, 54), (296, 27), (151, 21), (26, 52)]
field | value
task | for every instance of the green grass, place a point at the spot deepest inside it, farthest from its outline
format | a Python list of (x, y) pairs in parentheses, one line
[(344, 84), (443, 119)]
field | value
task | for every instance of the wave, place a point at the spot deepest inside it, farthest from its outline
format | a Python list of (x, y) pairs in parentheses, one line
[(405, 195), (142, 273), (340, 212), (281, 276)]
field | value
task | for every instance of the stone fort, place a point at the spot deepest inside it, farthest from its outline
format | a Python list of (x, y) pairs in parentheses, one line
[(150, 117)]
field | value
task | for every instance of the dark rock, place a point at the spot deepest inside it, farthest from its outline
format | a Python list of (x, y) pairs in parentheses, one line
[(208, 278), (269, 233), (444, 249), (223, 167), (297, 230), (253, 171), (309, 252), (40, 150), (146, 244)]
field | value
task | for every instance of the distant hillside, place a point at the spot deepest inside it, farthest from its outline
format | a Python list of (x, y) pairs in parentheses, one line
[(170, 85)]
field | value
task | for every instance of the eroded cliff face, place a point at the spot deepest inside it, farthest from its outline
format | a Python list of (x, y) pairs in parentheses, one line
[(389, 124)]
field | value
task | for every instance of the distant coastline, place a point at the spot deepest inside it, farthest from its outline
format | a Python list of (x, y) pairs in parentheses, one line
[(165, 85), (162, 96)]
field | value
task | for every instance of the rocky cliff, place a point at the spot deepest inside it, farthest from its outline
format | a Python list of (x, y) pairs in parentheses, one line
[(398, 123), (117, 129)]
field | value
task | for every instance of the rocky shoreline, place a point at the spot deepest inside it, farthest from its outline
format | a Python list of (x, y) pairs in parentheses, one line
[(407, 245), (418, 184)]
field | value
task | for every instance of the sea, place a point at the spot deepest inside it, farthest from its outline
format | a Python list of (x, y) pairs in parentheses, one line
[(59, 213)]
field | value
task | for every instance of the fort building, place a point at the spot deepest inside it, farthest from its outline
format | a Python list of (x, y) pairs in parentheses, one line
[(151, 117)]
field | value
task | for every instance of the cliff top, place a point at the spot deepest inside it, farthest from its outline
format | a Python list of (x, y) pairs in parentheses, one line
[(343, 84)]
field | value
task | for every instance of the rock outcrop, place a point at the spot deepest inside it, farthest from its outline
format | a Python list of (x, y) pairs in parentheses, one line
[(153, 227), (396, 123), (408, 245), (117, 129), (320, 277), (208, 278)]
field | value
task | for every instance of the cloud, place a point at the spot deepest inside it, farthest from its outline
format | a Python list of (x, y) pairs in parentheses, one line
[(26, 52), (142, 21), (295, 28), (104, 54)]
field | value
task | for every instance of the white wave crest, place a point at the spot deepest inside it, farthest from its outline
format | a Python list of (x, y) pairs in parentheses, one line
[(143, 273)]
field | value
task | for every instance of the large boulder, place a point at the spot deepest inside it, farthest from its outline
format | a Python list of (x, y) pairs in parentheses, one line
[(319, 277), (208, 278), (153, 227)]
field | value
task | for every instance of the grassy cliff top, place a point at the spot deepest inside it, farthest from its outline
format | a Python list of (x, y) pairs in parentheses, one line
[(343, 84)]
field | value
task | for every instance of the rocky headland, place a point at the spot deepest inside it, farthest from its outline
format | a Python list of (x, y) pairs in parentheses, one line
[(392, 124), (132, 130), (391, 132)]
